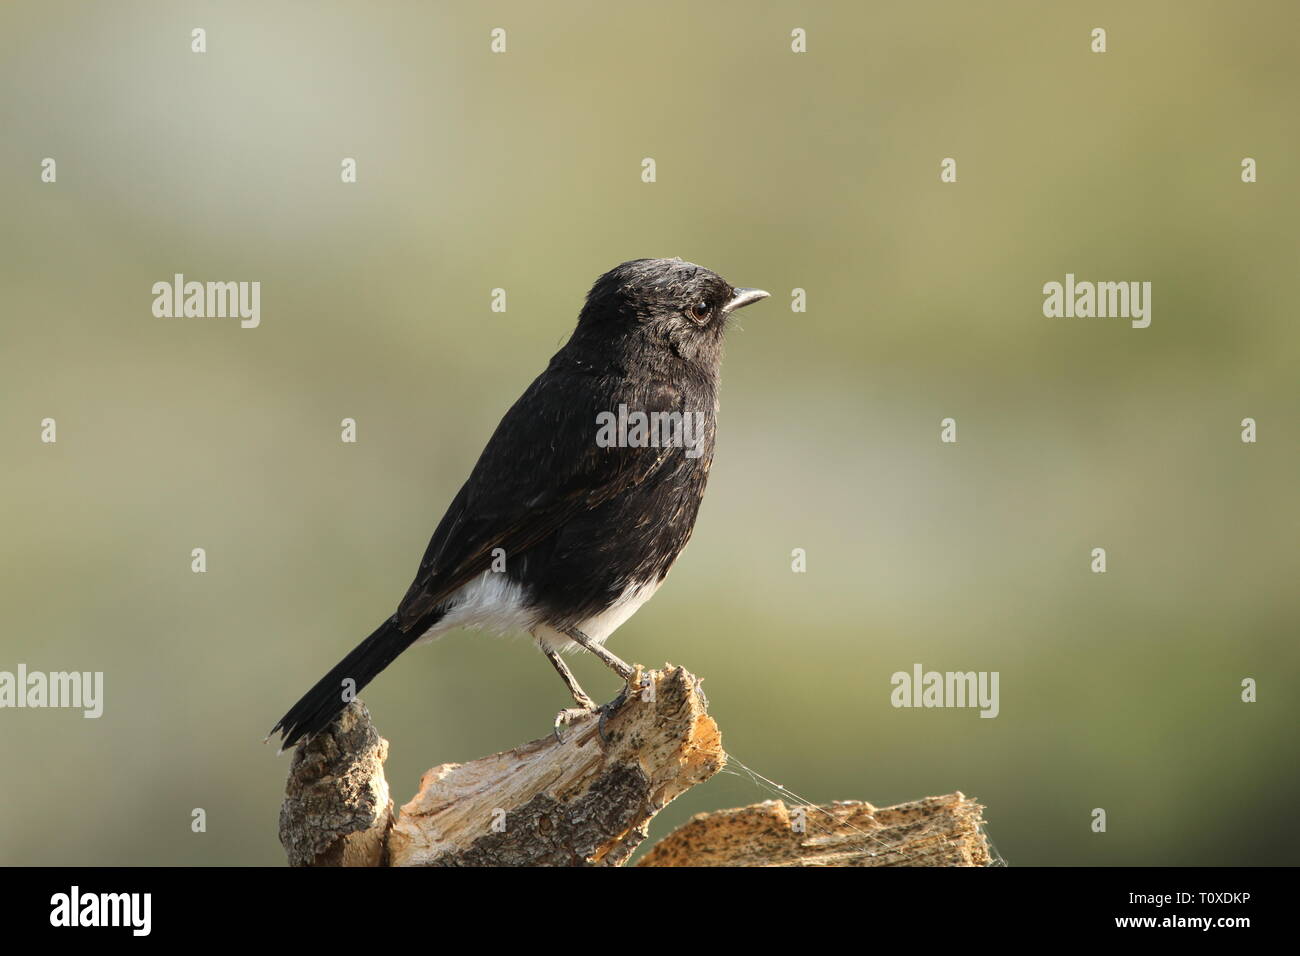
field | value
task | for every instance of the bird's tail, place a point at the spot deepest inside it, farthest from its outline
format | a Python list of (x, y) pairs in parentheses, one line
[(320, 705)]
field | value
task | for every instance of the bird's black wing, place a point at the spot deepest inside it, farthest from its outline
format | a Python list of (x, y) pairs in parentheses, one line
[(541, 469)]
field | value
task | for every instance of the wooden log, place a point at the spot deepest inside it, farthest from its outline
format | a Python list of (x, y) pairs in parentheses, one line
[(935, 831), (583, 800), (336, 809), (587, 798)]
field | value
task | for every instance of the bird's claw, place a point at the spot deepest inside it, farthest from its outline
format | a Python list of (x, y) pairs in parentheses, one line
[(605, 711), (568, 716)]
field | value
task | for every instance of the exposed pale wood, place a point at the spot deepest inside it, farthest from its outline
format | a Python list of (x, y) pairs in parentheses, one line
[(584, 801), (935, 831)]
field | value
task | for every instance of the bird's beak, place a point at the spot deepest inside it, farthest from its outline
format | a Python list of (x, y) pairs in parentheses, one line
[(744, 297)]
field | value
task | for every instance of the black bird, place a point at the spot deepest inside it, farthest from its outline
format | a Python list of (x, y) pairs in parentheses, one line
[(569, 522)]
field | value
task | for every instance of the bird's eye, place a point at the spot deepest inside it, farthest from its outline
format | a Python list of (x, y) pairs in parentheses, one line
[(699, 312)]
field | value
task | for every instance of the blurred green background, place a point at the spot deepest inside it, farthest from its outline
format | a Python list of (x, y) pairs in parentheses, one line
[(522, 170)]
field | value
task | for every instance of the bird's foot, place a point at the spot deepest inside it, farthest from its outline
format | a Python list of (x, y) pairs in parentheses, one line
[(588, 707), (608, 710), (565, 717)]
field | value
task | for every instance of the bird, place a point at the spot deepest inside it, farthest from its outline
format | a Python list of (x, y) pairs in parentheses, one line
[(584, 496)]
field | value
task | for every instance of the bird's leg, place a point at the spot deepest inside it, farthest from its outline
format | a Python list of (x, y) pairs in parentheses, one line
[(617, 665), (579, 695), (614, 663), (585, 704)]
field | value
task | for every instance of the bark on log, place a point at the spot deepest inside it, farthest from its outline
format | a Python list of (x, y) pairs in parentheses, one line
[(336, 809), (936, 831)]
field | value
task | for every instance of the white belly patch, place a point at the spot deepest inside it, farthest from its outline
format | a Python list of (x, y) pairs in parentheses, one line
[(602, 625), (491, 601), (495, 603)]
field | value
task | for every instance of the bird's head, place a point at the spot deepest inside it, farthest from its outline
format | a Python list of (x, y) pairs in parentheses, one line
[(670, 303)]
